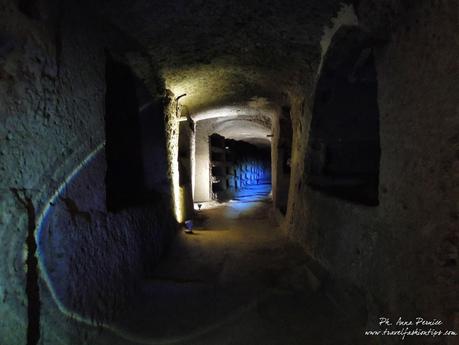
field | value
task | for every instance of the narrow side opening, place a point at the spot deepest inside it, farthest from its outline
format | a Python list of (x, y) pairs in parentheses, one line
[(186, 137), (284, 153)]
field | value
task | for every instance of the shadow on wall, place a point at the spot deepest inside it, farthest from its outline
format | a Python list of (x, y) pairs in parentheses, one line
[(344, 150)]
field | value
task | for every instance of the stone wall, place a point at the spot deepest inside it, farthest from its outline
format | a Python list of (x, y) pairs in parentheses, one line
[(202, 187), (52, 171), (402, 254)]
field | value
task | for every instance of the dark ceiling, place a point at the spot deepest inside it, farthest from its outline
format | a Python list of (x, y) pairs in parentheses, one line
[(226, 52)]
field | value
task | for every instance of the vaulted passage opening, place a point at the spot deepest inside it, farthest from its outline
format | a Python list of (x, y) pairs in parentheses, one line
[(343, 149), (232, 152)]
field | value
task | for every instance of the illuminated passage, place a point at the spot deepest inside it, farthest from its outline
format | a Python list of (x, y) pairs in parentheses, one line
[(191, 172)]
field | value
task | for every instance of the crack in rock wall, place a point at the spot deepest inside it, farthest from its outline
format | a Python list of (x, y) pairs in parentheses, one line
[(52, 100)]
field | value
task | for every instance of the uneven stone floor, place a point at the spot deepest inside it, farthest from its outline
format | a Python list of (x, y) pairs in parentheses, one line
[(237, 280)]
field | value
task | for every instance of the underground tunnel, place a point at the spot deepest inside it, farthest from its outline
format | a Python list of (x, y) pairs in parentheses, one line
[(207, 173)]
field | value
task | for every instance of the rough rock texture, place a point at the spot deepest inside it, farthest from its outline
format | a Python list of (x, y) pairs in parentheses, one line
[(44, 89), (402, 254), (52, 96), (94, 259), (220, 52), (243, 60)]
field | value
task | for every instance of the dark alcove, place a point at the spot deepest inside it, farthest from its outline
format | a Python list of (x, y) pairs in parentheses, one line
[(344, 150), (135, 140)]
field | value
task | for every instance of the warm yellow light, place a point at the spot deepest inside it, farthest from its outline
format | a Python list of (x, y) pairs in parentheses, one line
[(173, 121), (173, 156), (177, 193)]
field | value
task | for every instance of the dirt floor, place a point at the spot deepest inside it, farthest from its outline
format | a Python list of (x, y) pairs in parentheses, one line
[(237, 280)]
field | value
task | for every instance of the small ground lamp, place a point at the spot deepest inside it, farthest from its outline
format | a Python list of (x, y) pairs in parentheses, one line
[(188, 226)]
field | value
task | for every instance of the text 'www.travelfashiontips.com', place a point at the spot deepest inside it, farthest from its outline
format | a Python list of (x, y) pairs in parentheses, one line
[(416, 327)]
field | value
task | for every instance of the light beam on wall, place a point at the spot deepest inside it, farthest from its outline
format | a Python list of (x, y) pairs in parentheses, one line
[(41, 222)]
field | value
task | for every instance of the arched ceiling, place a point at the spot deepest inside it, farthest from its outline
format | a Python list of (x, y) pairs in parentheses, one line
[(257, 107), (222, 53), (244, 129), (247, 121)]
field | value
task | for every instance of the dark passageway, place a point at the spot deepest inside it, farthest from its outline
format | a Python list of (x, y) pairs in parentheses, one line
[(278, 172)]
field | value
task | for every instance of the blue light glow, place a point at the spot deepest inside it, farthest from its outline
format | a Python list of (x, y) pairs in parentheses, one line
[(43, 220)]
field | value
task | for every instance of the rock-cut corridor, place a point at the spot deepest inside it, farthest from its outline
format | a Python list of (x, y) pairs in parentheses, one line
[(312, 144)]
